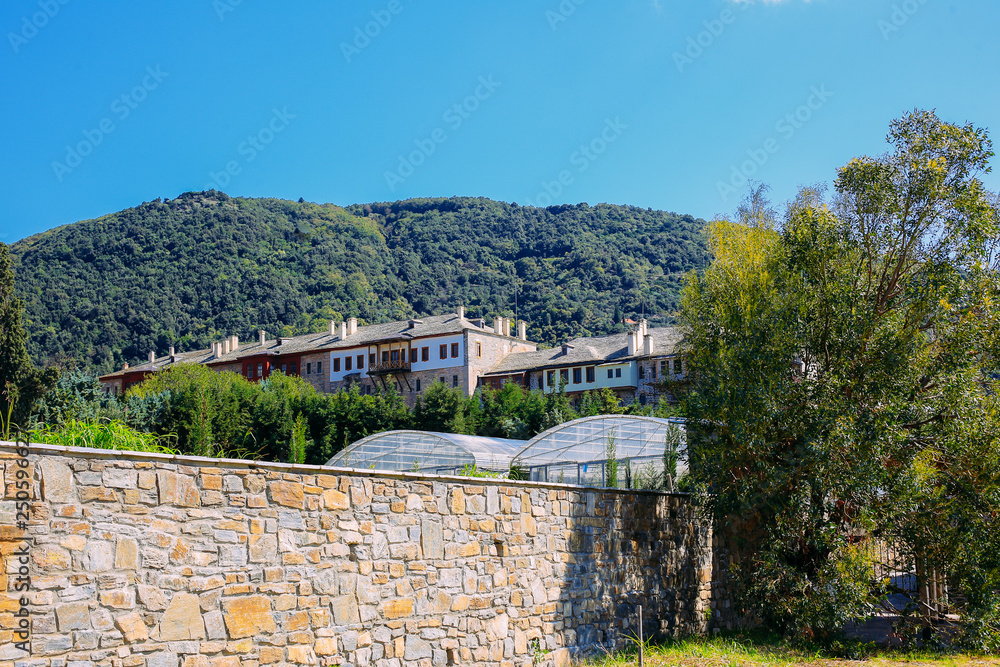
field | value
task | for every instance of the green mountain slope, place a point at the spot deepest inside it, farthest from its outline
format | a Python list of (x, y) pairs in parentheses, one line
[(186, 271)]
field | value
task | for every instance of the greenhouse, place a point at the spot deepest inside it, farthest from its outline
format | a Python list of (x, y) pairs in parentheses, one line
[(607, 450), (420, 451)]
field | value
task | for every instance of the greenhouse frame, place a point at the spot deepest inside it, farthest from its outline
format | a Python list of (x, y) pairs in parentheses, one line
[(607, 450), (428, 452)]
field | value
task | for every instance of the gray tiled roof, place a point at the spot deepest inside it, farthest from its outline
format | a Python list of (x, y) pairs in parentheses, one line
[(366, 335), (599, 349)]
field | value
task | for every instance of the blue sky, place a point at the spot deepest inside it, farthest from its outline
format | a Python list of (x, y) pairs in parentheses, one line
[(666, 104)]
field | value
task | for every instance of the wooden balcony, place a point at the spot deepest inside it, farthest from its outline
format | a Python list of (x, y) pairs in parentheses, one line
[(390, 368)]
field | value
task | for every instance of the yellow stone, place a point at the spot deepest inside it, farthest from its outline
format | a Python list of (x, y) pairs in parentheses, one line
[(132, 628), (289, 494), (127, 554), (457, 501), (302, 655), (335, 500), (400, 608), (326, 646), (470, 549), (246, 617)]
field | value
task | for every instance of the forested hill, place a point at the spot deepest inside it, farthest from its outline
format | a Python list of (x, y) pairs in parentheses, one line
[(186, 271)]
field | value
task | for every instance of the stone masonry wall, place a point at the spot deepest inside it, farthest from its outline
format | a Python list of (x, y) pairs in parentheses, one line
[(159, 561)]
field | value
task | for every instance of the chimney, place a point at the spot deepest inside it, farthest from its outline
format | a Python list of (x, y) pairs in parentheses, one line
[(633, 342), (263, 337), (506, 326), (461, 312), (225, 347), (352, 326), (647, 345), (125, 366), (498, 325), (234, 343), (172, 353), (522, 330), (566, 348), (343, 330), (413, 323), (479, 322), (333, 328), (152, 356), (645, 326)]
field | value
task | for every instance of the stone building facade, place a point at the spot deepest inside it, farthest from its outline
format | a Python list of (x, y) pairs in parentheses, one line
[(159, 561)]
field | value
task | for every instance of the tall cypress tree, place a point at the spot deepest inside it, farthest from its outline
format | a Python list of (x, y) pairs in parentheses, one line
[(15, 365)]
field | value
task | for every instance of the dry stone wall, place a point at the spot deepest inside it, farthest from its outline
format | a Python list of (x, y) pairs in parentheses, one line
[(157, 561)]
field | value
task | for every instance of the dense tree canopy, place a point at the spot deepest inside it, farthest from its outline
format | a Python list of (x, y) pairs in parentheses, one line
[(843, 382), (186, 271)]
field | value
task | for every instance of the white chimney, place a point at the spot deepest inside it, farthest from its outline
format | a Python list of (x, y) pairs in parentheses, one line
[(352, 326), (225, 347), (506, 326), (234, 343), (263, 337), (152, 357), (645, 326), (461, 312), (647, 345), (343, 330), (171, 352), (633, 342), (333, 328), (522, 330), (498, 325)]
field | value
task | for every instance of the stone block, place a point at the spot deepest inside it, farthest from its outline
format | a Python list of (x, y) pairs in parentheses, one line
[(249, 616), (162, 659), (416, 648), (345, 609), (99, 557), (287, 494), (399, 608), (175, 489), (132, 628), (431, 539), (335, 500), (182, 620), (123, 598), (215, 627), (152, 598), (326, 646), (232, 555), (263, 548), (118, 478), (57, 480), (73, 616), (457, 501), (127, 554)]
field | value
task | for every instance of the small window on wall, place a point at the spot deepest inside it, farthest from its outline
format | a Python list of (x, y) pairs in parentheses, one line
[(441, 379), (418, 384), (413, 355), (618, 372), (348, 363), (425, 354), (395, 356), (319, 366), (284, 368), (642, 400), (260, 370), (371, 359), (611, 374), (652, 370), (309, 369), (664, 368), (294, 369), (479, 349), (678, 366), (336, 364), (551, 378), (564, 375), (443, 351), (361, 361), (454, 350), (642, 371), (577, 375), (590, 374), (250, 372), (454, 381), (402, 355)]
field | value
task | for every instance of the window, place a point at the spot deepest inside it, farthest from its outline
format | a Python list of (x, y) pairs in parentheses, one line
[(385, 357), (413, 355), (479, 349), (371, 359), (348, 364), (590, 374), (250, 371), (564, 375), (678, 367), (664, 368), (441, 379), (260, 370), (611, 374), (454, 350), (361, 361), (577, 375), (454, 380), (418, 384), (395, 356), (319, 366), (642, 400), (642, 371), (336, 364), (551, 378), (652, 370), (294, 369), (284, 369), (618, 372), (425, 354), (309, 369), (444, 351)]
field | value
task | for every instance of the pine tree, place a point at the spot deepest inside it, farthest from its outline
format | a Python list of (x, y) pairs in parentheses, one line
[(15, 365)]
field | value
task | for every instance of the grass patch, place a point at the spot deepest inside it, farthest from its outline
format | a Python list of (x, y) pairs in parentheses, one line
[(756, 649), (113, 435)]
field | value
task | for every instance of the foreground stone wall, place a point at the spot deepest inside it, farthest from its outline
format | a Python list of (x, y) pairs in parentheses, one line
[(157, 561)]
